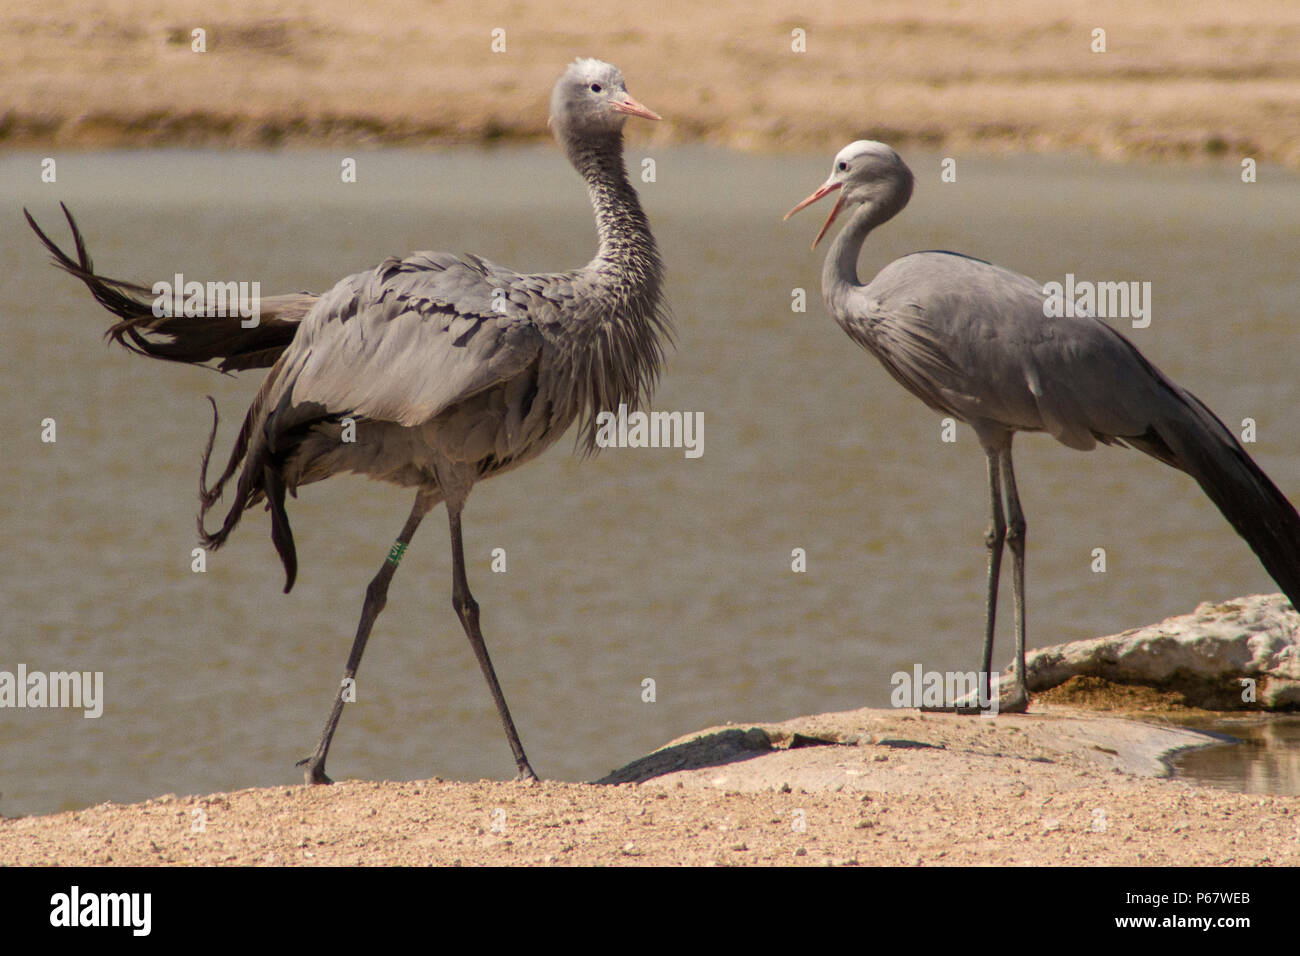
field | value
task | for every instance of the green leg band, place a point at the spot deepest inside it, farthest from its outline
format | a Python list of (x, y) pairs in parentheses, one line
[(396, 552)]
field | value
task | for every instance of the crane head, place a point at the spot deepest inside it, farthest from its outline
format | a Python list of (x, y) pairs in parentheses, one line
[(591, 98), (863, 171)]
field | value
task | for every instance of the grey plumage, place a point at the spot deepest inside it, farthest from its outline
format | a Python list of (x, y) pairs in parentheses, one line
[(971, 340), (450, 368)]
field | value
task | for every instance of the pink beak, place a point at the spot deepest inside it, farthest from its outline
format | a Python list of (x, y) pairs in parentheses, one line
[(632, 108), (824, 189)]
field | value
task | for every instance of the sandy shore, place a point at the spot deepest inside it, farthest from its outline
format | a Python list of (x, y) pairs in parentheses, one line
[(1177, 80), (1060, 786)]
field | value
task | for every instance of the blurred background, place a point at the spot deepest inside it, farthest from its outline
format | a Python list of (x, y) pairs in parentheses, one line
[(1177, 78), (225, 165)]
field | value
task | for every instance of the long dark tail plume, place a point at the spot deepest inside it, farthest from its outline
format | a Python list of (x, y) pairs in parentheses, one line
[(259, 478), (194, 340), (281, 533), (1206, 450)]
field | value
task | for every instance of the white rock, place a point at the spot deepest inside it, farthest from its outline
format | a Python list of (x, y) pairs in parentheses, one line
[(1215, 647)]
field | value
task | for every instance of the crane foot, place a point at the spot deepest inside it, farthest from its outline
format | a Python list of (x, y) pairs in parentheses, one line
[(1017, 702), (315, 772)]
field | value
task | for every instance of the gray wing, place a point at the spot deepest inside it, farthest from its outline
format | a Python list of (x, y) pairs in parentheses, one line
[(409, 339), (970, 339), (396, 346)]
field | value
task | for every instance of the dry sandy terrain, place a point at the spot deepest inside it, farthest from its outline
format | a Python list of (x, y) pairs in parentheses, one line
[(1178, 78), (1061, 786)]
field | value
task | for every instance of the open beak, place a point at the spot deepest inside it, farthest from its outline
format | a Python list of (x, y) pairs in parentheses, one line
[(632, 108), (824, 189)]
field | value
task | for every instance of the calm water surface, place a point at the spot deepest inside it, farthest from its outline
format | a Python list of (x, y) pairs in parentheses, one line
[(638, 564), (1261, 754)]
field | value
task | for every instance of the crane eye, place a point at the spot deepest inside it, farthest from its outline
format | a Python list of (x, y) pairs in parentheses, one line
[(595, 87)]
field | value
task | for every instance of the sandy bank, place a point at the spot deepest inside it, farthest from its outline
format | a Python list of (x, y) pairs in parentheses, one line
[(1057, 787), (1176, 80)]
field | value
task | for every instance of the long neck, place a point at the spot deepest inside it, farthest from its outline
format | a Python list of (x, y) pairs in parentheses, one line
[(840, 271), (618, 325), (626, 244)]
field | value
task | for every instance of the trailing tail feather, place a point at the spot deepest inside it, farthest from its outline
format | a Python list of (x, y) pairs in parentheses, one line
[(197, 340), (260, 478), (194, 340), (281, 533), (1204, 448)]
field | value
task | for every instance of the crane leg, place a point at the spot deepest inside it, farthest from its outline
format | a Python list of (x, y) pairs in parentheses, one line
[(1018, 702), (467, 610), (376, 598), (994, 538)]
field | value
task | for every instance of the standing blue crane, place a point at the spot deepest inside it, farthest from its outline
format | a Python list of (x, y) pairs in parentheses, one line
[(451, 369), (971, 340)]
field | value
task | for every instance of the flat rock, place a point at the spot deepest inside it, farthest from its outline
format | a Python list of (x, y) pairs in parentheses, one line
[(905, 751)]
